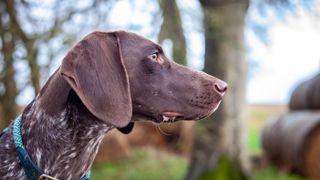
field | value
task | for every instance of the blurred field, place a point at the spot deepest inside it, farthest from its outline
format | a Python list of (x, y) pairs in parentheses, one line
[(258, 115), (148, 163)]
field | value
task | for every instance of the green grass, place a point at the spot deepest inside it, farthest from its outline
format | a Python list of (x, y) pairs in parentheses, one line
[(148, 164), (145, 164), (258, 116), (254, 142), (270, 173)]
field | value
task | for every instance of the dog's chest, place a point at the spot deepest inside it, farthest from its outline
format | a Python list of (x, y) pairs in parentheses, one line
[(63, 146)]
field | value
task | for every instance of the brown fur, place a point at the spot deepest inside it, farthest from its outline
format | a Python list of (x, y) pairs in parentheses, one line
[(107, 80)]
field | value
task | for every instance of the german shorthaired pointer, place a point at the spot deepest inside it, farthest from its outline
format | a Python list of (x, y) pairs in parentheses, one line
[(108, 80)]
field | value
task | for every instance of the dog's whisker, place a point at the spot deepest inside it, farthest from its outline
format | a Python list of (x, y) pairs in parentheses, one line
[(162, 131)]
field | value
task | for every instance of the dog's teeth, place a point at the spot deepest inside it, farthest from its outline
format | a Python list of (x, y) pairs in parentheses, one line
[(165, 118)]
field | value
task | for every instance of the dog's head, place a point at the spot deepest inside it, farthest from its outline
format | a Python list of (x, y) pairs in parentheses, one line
[(121, 77)]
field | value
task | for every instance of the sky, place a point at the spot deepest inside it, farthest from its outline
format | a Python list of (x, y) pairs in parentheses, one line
[(291, 55)]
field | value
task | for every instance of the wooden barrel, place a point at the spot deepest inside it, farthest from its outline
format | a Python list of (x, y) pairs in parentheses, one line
[(306, 95), (292, 142)]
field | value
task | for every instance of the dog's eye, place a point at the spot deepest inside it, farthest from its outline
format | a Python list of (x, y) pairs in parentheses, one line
[(153, 56), (156, 58)]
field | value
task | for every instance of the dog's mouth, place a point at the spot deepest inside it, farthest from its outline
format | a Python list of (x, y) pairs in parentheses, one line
[(170, 116), (211, 111), (173, 116)]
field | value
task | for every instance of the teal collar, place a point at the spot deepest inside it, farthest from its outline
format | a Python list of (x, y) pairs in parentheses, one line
[(32, 171)]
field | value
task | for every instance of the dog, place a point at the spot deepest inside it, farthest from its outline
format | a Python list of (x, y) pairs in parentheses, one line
[(107, 80)]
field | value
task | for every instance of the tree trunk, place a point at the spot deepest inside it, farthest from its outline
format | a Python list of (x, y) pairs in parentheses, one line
[(219, 139), (11, 34), (9, 91), (27, 42), (171, 28), (33, 64), (8, 104)]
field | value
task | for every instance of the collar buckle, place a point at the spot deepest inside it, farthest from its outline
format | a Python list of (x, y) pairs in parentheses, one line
[(45, 176)]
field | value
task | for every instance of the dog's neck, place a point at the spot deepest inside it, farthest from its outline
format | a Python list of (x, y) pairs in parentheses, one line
[(61, 138)]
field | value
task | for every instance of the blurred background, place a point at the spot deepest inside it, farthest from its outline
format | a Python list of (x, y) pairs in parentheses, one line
[(266, 50)]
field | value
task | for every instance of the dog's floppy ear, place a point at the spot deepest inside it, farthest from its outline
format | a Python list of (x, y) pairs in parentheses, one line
[(95, 70)]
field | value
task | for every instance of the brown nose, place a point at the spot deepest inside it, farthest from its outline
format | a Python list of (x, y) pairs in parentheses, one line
[(221, 87)]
